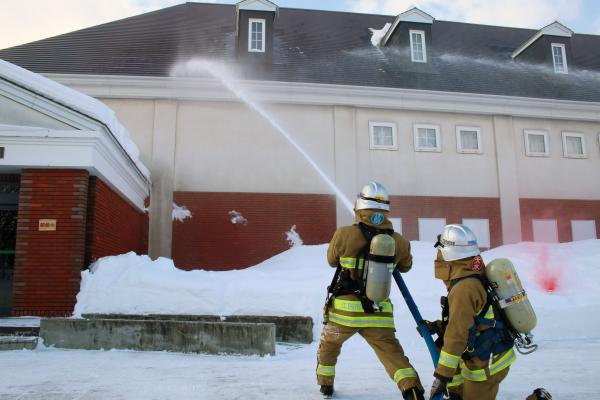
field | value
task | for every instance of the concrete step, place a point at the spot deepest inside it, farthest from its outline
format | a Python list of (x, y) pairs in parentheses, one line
[(160, 335), (289, 329), (18, 342)]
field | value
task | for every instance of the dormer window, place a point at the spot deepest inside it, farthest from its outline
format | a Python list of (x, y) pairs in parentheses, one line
[(559, 58), (418, 52), (256, 35)]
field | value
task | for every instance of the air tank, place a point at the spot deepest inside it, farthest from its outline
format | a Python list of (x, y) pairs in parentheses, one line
[(380, 265), (512, 297)]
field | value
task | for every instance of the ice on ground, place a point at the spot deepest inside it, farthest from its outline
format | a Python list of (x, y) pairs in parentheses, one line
[(180, 213), (76, 100), (377, 35)]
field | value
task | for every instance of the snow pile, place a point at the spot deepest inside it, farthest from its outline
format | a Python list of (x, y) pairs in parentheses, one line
[(293, 237), (76, 100), (379, 34), (237, 218), (180, 213)]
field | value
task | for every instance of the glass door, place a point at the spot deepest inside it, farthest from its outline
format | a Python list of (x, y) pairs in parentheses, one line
[(9, 199)]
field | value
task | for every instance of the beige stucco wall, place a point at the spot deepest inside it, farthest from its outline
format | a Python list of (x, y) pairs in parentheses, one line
[(557, 177), (13, 113)]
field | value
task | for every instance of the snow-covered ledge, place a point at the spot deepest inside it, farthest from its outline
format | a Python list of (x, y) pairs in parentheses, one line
[(89, 150)]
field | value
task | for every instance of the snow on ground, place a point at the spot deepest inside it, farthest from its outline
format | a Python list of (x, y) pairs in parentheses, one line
[(293, 283)]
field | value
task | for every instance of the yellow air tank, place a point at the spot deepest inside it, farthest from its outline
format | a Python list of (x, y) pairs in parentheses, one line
[(512, 297), (379, 268)]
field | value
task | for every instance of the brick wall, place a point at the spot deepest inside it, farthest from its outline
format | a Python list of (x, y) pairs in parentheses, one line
[(563, 211), (454, 209), (209, 240), (113, 225), (48, 264)]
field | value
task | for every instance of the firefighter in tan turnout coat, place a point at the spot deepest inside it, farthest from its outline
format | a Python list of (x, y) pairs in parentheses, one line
[(345, 314), (463, 374)]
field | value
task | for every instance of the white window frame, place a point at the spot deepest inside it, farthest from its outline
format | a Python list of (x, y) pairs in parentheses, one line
[(530, 153), (438, 138), (264, 38), (564, 57), (372, 145), (412, 54), (565, 135), (459, 147)]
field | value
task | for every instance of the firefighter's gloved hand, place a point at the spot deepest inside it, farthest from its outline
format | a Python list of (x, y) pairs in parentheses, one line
[(438, 386), (434, 327)]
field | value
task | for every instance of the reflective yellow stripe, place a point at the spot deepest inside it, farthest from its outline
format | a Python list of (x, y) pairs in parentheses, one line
[(356, 306), (504, 362), (362, 322), (449, 360), (476, 375), (350, 262), (404, 373), (489, 313), (326, 370), (457, 380)]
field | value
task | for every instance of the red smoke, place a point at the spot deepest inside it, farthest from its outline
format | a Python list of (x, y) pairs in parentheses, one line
[(548, 272)]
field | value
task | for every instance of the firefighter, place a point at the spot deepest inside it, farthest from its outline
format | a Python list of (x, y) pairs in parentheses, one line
[(347, 311), (460, 372)]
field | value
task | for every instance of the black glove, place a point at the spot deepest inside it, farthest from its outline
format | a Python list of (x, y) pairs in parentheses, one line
[(434, 327), (413, 393), (438, 386)]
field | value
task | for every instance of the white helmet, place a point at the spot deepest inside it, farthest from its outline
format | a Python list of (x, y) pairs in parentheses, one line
[(456, 242), (373, 196)]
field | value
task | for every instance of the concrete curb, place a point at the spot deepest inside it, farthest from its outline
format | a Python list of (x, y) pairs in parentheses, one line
[(159, 335)]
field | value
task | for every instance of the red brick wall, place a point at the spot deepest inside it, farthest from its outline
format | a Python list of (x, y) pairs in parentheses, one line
[(113, 225), (454, 209), (563, 211), (209, 240), (48, 264)]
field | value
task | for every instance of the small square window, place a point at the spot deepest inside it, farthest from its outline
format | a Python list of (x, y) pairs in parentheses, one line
[(256, 35), (468, 139), (559, 58), (427, 138), (383, 136), (574, 145), (536, 143), (418, 51)]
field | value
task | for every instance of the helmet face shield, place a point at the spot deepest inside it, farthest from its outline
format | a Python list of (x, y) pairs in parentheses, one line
[(457, 242), (373, 196)]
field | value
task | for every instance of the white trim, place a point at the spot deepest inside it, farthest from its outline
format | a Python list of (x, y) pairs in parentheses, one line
[(459, 147), (563, 55), (583, 147), (438, 138), (412, 53), (412, 15), (264, 38), (372, 145), (554, 29), (205, 89), (90, 150), (257, 5), (530, 153)]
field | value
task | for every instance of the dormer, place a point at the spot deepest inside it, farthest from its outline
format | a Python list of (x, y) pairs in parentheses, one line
[(255, 20), (550, 46), (411, 30)]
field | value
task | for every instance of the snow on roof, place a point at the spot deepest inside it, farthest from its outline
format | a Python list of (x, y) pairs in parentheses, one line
[(77, 101)]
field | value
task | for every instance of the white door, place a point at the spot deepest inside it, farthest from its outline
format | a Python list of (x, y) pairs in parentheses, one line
[(429, 228), (583, 229), (481, 229), (545, 231)]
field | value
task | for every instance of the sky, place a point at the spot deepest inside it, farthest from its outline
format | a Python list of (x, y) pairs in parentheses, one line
[(23, 21)]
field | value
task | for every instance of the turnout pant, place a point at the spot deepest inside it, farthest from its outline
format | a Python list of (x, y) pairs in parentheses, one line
[(382, 340), (478, 390)]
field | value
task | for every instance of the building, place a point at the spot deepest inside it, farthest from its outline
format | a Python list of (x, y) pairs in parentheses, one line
[(492, 126)]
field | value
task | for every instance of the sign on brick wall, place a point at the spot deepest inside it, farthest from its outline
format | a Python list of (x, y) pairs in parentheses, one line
[(47, 225)]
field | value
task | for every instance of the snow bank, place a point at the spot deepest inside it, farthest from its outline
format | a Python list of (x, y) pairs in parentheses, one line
[(294, 282), (76, 100)]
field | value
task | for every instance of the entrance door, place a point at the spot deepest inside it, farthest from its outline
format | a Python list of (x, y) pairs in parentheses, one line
[(9, 199)]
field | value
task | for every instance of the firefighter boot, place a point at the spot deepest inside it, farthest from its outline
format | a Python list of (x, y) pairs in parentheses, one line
[(327, 391), (540, 394)]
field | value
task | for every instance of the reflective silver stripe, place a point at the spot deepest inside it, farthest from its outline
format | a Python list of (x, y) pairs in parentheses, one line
[(350, 262), (404, 373), (362, 322), (356, 306), (326, 370), (457, 380), (477, 375), (504, 362), (448, 360)]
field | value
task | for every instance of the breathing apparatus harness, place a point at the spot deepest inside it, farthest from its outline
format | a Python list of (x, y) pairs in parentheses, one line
[(342, 283)]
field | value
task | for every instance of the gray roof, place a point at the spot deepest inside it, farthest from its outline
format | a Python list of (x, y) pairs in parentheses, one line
[(317, 47)]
